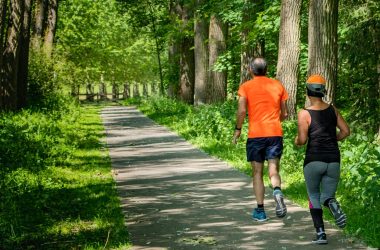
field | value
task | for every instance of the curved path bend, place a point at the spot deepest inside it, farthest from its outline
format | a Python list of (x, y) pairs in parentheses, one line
[(174, 196)]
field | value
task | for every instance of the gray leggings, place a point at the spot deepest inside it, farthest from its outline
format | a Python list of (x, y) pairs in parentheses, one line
[(321, 181)]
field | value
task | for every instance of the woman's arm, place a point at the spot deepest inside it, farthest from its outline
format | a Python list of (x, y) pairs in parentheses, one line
[(304, 120), (344, 130)]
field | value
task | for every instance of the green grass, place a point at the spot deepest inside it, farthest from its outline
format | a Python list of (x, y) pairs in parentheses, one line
[(56, 185), (210, 128)]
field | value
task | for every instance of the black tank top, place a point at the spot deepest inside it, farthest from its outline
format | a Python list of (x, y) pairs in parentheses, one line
[(322, 144)]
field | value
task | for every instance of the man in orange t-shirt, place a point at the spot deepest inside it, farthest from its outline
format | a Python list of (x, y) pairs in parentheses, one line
[(265, 99)]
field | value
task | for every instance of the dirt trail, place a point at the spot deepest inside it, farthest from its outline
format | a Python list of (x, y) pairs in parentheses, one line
[(175, 196)]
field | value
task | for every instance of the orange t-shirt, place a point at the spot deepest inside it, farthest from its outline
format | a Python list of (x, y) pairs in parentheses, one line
[(264, 96)]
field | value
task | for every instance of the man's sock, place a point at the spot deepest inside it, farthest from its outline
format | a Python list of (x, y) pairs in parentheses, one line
[(260, 207), (277, 190)]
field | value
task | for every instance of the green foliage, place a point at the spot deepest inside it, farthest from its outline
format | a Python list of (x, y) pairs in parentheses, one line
[(42, 85), (56, 187), (211, 129)]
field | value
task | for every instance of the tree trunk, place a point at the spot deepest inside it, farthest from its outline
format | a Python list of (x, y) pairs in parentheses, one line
[(173, 52), (217, 43), (145, 89), (136, 91), (187, 59), (10, 68), (115, 92), (289, 50), (201, 31), (3, 18), (249, 49), (39, 21), (51, 26), (22, 88), (90, 92), (323, 43), (153, 89), (126, 93), (102, 89)]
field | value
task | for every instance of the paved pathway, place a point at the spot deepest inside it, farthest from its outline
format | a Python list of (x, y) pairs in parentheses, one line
[(175, 196)]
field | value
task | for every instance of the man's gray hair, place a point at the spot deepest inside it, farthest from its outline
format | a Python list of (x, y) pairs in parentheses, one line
[(259, 66)]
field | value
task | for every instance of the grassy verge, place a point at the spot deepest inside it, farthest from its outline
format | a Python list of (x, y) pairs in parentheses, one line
[(210, 128), (56, 185)]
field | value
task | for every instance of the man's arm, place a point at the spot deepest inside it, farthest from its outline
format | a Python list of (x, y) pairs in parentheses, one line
[(284, 111), (240, 116)]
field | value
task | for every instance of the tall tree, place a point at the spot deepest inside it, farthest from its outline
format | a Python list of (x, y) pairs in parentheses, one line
[(173, 50), (24, 56), (289, 50), (323, 42), (250, 48), (201, 30), (39, 21), (51, 26), (10, 66), (217, 44), (3, 15), (187, 56)]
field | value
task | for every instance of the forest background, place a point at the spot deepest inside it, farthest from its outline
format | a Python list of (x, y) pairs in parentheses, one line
[(182, 62)]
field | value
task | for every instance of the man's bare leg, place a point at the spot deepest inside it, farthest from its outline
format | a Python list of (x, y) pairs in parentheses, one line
[(275, 179), (274, 176), (258, 183)]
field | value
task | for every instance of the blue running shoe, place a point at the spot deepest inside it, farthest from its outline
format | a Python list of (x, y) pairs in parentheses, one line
[(259, 215)]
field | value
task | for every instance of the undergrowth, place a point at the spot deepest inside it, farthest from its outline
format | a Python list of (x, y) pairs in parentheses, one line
[(210, 128), (56, 185)]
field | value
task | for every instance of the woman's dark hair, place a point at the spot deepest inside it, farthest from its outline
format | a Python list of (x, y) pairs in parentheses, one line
[(314, 93), (259, 66)]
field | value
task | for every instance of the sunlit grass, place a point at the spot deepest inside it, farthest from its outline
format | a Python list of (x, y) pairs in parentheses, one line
[(71, 204)]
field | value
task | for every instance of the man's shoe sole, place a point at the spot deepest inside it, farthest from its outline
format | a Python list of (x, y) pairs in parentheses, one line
[(319, 242), (260, 220), (280, 206)]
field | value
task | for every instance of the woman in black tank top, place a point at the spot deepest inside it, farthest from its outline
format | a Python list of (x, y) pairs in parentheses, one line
[(317, 126)]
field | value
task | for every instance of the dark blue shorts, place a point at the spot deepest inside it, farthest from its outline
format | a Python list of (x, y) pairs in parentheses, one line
[(264, 148)]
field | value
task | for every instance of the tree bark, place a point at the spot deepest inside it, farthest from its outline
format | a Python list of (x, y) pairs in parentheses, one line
[(51, 26), (201, 50), (289, 50), (136, 91), (187, 67), (3, 18), (323, 43), (145, 89), (10, 68), (102, 89), (217, 43), (90, 92), (250, 49), (39, 21), (174, 51), (115, 92), (22, 88), (126, 93)]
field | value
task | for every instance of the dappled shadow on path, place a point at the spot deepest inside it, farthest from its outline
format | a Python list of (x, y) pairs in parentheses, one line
[(177, 197)]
